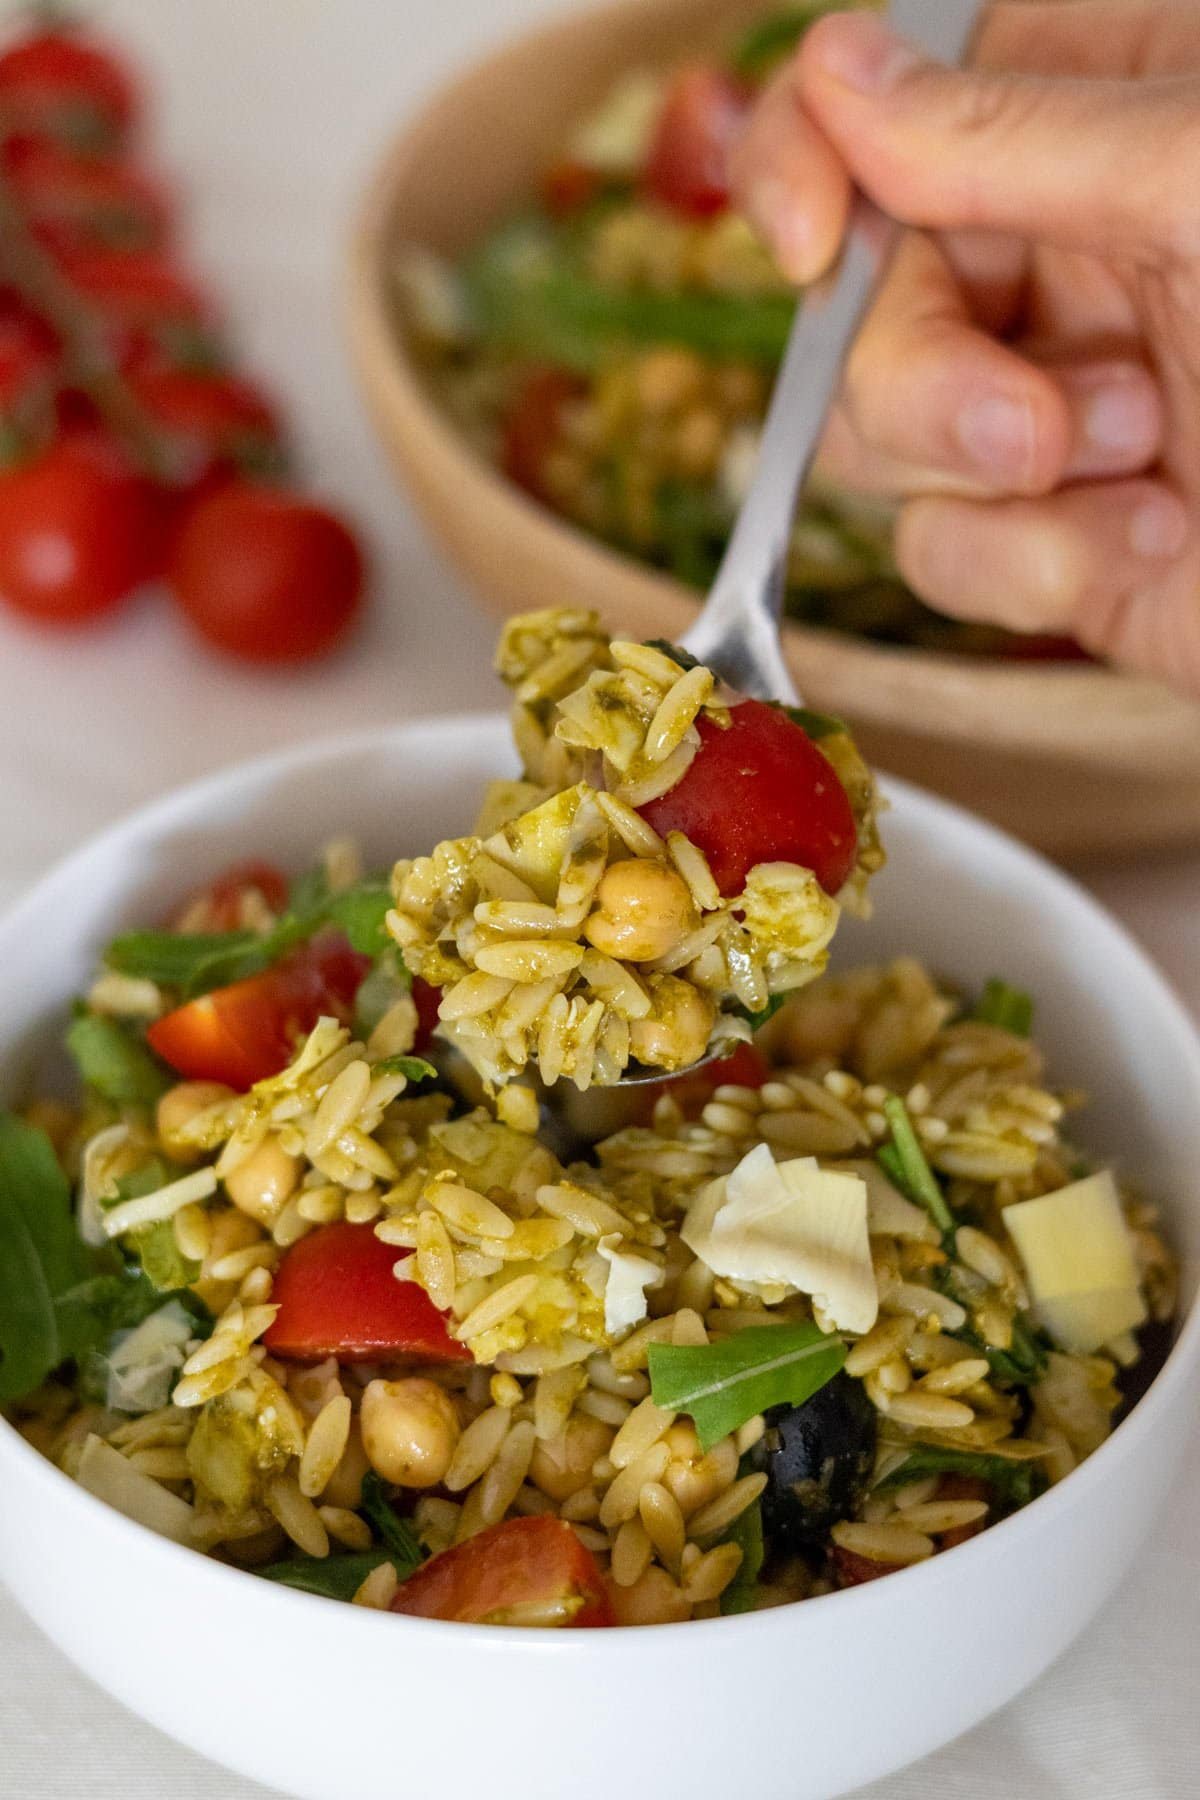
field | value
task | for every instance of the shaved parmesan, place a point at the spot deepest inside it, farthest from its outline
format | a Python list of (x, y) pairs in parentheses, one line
[(889, 1214), (790, 1224), (143, 1364), (625, 1290), (1079, 1263), (104, 1472)]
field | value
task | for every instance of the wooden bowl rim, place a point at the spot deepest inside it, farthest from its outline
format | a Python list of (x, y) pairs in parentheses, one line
[(1048, 709)]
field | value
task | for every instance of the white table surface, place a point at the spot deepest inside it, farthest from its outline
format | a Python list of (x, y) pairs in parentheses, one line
[(270, 114)]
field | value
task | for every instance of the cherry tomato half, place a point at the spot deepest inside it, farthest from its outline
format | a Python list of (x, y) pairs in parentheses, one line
[(426, 999), (242, 1033), (688, 163), (77, 532), (760, 791), (533, 427), (60, 83), (79, 202), (265, 575), (338, 1296), (218, 905), (744, 1067), (522, 1570)]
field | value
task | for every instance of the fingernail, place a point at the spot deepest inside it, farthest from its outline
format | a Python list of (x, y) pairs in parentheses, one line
[(1159, 527), (997, 433), (862, 53), (774, 212), (1122, 415)]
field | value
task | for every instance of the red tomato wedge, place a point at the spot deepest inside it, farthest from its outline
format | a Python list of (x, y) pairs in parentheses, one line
[(337, 1296), (743, 1067), (760, 791), (522, 1571), (242, 1033), (701, 120), (534, 427)]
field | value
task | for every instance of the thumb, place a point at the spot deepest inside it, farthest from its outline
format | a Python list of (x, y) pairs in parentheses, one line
[(1111, 167)]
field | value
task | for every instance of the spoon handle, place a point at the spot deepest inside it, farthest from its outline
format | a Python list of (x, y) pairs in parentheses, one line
[(737, 632)]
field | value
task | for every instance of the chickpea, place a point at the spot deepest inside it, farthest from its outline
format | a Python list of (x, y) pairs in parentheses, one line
[(654, 1599), (344, 1487), (677, 1031), (643, 909), (179, 1106), (692, 1478), (698, 441), (667, 379), (561, 1465), (261, 1185), (409, 1430), (230, 1230)]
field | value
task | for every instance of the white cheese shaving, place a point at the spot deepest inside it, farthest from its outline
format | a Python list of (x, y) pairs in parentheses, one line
[(792, 1224), (615, 139), (144, 1362), (1078, 1258), (625, 1290)]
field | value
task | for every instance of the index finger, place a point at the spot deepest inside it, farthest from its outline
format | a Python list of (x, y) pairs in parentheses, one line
[(791, 183)]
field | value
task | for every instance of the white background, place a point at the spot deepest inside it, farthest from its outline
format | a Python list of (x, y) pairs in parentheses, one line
[(269, 114)]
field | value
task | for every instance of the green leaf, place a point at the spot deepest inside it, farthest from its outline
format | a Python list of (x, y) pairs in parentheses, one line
[(747, 1533), (684, 658), (163, 1263), (177, 958), (414, 1067), (724, 1383), (765, 44), (816, 725), (384, 985), (530, 296), (758, 1019), (1023, 1363), (907, 1168), (112, 1059), (360, 912), (1008, 1007), (1014, 1483), (41, 1257), (395, 1533), (333, 1577)]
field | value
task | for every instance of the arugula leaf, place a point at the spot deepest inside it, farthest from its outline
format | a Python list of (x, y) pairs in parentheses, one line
[(747, 1533), (173, 958), (164, 1265), (414, 1067), (903, 1162), (1008, 1007), (677, 654), (333, 1577), (815, 725), (1023, 1363), (723, 1384), (360, 912), (197, 962), (1014, 1483), (114, 1061), (41, 1257), (395, 1533), (758, 1019), (383, 986), (310, 891)]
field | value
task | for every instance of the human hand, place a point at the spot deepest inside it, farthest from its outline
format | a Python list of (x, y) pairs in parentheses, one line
[(1029, 380)]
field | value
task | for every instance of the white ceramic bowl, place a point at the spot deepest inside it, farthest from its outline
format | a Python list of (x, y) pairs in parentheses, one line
[(326, 1700)]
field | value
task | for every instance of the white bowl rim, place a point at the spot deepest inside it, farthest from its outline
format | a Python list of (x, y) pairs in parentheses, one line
[(999, 1539)]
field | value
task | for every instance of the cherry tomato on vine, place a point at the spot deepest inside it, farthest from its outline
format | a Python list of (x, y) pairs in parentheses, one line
[(222, 420), (78, 532), (60, 83), (266, 575), (701, 120), (76, 202), (759, 790)]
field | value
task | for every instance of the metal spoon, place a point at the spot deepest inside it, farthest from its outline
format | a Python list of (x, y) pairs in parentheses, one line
[(737, 632)]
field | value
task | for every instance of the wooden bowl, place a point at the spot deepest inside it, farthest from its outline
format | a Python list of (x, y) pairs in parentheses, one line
[(1072, 757)]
